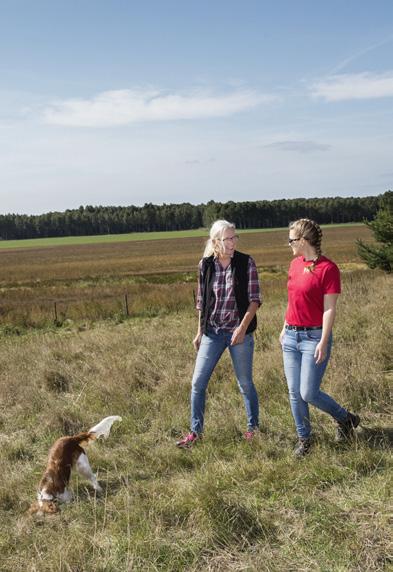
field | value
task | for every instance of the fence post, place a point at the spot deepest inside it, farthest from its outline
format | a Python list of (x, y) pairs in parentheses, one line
[(55, 309), (126, 304)]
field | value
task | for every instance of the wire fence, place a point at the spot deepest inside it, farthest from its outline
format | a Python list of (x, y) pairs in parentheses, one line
[(58, 309)]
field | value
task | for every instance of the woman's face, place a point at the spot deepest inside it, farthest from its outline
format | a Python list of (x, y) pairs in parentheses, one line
[(295, 242), (228, 242)]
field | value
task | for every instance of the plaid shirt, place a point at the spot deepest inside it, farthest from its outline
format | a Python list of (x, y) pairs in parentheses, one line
[(225, 316)]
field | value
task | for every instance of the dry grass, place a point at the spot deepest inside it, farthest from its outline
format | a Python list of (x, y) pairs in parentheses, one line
[(227, 504), (30, 266), (89, 281)]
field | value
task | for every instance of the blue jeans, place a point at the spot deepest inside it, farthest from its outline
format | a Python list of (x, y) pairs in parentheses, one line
[(304, 378), (211, 349)]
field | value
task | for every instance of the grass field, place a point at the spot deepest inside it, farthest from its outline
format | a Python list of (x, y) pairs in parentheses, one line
[(89, 281), (227, 505), (130, 237)]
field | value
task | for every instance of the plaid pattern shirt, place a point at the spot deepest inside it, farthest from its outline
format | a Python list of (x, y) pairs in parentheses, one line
[(225, 316)]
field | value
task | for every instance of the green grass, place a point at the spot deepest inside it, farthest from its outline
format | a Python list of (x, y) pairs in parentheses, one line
[(226, 505), (134, 236)]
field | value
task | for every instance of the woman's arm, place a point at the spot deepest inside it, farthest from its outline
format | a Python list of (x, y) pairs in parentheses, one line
[(329, 314), (196, 342), (281, 336), (255, 300), (240, 332)]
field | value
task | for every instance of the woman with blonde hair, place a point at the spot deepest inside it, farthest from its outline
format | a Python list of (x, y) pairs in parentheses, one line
[(306, 337), (228, 298)]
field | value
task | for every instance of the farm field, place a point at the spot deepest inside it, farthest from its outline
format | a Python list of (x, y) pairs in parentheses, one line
[(90, 280), (130, 237)]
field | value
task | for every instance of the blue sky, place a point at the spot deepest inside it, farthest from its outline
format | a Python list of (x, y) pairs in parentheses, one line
[(117, 102)]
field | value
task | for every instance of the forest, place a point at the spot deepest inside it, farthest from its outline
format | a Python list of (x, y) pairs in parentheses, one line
[(96, 220)]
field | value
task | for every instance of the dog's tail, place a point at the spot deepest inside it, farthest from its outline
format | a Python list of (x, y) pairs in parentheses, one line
[(102, 429)]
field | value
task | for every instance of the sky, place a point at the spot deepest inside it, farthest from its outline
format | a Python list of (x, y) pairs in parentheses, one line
[(121, 102)]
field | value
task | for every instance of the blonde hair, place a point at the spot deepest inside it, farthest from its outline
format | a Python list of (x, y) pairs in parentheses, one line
[(310, 231), (214, 244)]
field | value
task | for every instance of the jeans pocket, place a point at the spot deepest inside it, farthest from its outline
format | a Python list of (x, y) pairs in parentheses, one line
[(314, 335)]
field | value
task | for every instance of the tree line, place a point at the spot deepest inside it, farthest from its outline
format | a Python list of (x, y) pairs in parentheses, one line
[(93, 220)]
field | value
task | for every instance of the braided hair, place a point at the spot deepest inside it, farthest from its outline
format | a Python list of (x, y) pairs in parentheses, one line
[(310, 231)]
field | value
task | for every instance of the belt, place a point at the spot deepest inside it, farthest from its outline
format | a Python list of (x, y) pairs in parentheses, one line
[(303, 328)]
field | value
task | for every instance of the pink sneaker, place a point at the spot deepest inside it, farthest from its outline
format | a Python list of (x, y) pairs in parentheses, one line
[(250, 434), (188, 441)]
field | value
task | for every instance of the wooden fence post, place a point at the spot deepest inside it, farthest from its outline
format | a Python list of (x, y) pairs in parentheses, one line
[(55, 309), (126, 304)]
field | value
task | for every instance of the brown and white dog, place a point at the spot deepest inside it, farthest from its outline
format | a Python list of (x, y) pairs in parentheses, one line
[(67, 453)]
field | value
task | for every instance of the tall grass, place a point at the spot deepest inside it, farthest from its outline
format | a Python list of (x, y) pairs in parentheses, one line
[(225, 505)]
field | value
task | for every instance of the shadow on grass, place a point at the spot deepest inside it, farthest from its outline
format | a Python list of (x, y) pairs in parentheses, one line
[(377, 437), (110, 487)]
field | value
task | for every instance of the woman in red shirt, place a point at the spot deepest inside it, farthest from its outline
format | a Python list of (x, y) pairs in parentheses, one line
[(306, 337)]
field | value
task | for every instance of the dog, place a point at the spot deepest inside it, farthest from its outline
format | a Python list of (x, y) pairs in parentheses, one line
[(65, 454)]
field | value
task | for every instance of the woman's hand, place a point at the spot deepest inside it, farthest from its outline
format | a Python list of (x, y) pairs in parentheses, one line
[(320, 352), (196, 342), (281, 336), (238, 336)]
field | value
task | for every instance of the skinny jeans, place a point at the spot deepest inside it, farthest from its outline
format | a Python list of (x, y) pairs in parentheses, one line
[(210, 350), (304, 378)]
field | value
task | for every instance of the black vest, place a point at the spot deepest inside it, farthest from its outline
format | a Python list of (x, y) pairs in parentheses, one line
[(239, 265)]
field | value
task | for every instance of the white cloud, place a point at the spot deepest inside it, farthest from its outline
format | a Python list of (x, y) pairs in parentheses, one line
[(122, 107), (298, 146), (354, 86), (199, 161)]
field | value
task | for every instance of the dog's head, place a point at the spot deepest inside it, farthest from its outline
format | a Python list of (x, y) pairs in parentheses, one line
[(42, 507)]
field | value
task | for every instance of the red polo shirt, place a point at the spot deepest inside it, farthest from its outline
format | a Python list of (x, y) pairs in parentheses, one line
[(307, 289)]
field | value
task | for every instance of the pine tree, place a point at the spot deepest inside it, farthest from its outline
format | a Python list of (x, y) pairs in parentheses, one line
[(381, 254)]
